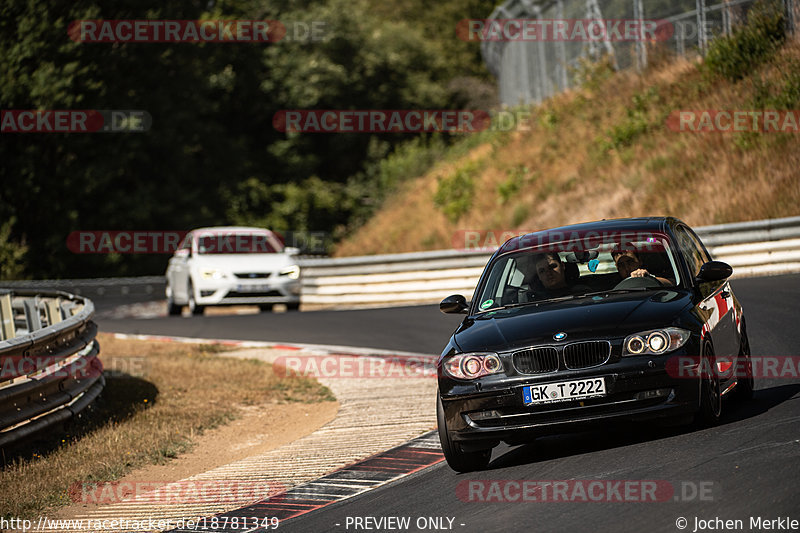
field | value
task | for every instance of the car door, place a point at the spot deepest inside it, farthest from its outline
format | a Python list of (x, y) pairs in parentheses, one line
[(716, 304)]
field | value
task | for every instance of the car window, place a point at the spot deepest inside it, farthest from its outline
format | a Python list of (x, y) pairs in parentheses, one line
[(235, 243), (692, 250), (581, 266), (698, 245)]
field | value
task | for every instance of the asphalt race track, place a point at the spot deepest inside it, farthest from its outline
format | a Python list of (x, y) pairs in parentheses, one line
[(748, 466)]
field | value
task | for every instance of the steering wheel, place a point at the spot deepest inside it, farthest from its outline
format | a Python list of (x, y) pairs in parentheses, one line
[(637, 283)]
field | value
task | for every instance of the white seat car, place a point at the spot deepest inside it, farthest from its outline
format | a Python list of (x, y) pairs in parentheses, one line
[(232, 266)]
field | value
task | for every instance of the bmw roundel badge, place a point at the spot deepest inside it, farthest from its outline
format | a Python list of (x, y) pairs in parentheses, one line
[(560, 336)]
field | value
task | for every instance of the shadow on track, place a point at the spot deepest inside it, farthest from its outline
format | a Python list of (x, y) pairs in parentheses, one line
[(618, 435)]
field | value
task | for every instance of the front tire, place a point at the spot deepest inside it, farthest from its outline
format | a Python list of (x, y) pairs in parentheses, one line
[(457, 459), (173, 309), (710, 394), (193, 306)]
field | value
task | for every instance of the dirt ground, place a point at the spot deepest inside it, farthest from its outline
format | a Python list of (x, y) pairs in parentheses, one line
[(258, 430)]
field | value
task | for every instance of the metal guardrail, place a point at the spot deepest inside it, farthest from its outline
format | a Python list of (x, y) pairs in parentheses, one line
[(49, 370), (752, 248), (763, 247)]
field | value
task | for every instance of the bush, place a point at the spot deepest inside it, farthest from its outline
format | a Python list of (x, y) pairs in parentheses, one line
[(517, 178), (455, 193), (590, 74), (636, 123), (735, 56)]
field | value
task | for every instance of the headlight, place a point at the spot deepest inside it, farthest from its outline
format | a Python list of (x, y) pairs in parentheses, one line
[(472, 365), (655, 342), (293, 272), (212, 274)]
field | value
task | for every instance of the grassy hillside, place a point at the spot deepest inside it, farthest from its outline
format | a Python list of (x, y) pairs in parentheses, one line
[(605, 151)]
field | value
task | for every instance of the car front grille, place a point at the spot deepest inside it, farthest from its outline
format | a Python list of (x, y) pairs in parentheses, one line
[(251, 275), (237, 294), (586, 354), (536, 360)]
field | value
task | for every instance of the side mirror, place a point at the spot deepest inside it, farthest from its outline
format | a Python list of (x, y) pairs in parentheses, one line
[(182, 253), (714, 271), (291, 250), (454, 304)]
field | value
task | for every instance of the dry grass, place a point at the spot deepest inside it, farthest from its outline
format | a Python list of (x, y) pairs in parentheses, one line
[(576, 164), (182, 390)]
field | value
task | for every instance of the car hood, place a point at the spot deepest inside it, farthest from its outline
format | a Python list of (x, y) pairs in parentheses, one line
[(587, 317), (243, 262)]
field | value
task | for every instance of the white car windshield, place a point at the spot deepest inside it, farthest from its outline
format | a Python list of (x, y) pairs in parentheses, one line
[(575, 268), (235, 243)]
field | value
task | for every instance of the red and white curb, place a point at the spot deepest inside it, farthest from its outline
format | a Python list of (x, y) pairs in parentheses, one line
[(369, 474), (344, 458)]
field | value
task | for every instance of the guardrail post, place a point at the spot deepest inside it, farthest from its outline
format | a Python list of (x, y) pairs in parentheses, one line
[(32, 317), (52, 311), (6, 316)]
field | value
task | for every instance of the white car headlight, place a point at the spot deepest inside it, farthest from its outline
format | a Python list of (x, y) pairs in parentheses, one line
[(212, 274), (655, 342), (293, 272), (472, 365)]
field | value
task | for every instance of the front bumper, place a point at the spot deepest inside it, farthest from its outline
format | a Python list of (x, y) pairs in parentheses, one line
[(247, 292), (637, 388)]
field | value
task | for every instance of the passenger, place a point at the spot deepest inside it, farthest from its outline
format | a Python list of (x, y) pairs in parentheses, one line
[(629, 265)]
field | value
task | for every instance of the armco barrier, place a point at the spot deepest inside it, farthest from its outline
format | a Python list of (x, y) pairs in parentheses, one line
[(49, 370), (758, 248), (764, 247)]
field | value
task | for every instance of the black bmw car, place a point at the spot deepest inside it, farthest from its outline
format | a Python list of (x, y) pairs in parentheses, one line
[(618, 320)]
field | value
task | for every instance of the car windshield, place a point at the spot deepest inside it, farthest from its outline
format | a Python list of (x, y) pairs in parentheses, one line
[(235, 243), (579, 267)]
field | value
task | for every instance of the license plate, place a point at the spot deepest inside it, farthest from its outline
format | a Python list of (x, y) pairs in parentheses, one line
[(564, 391), (252, 288)]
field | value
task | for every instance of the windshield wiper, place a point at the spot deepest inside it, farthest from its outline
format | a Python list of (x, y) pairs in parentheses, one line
[(614, 291), (509, 306), (570, 297)]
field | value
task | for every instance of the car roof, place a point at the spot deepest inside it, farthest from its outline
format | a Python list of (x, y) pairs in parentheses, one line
[(610, 225), (230, 229)]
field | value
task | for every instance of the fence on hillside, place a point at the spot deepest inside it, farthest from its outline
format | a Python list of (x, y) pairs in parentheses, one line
[(529, 71)]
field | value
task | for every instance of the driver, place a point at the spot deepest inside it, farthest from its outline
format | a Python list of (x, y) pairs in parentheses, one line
[(629, 265), (550, 271)]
